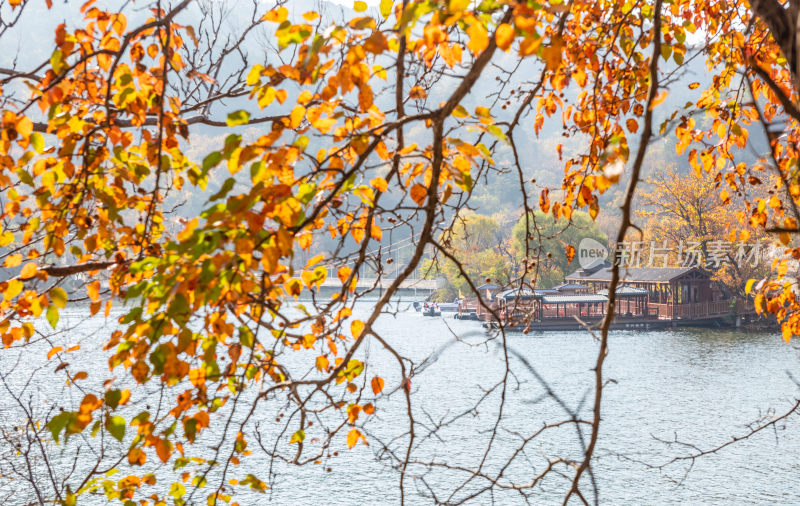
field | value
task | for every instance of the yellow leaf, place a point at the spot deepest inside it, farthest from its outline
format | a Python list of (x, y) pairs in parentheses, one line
[(298, 113), (310, 16), (530, 45), (483, 112), (478, 37), (360, 6), (460, 111), (749, 286), (352, 437), (504, 36), (356, 328), (13, 260), (277, 15), (304, 97), (28, 271), (14, 288)]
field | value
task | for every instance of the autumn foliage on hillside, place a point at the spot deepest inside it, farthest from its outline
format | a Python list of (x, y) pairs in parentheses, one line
[(349, 131)]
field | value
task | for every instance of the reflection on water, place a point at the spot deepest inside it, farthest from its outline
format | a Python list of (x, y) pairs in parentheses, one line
[(699, 386)]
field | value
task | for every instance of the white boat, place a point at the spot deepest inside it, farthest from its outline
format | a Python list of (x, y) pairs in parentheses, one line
[(431, 309)]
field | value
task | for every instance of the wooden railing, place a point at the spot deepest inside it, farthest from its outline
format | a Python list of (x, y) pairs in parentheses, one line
[(695, 310)]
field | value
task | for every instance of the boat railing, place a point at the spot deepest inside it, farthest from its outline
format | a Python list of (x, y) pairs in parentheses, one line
[(708, 309)]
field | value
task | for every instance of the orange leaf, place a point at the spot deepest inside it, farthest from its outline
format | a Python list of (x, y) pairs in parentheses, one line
[(552, 53), (377, 385), (418, 194), (379, 184), (93, 289), (632, 125), (53, 351), (570, 251), (344, 273), (163, 449), (136, 457), (660, 98)]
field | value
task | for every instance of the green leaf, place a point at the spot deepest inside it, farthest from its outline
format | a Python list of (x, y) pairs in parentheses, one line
[(258, 172), (254, 483), (57, 60), (52, 315), (211, 160), (226, 187), (58, 422), (112, 398), (59, 297), (306, 192), (116, 427), (237, 118), (246, 337), (37, 141)]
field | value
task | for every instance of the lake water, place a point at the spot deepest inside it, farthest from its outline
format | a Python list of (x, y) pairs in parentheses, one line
[(697, 386)]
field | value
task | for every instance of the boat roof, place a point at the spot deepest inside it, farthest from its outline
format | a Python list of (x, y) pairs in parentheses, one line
[(526, 293), (638, 274), (571, 286), (517, 293), (584, 298), (626, 291)]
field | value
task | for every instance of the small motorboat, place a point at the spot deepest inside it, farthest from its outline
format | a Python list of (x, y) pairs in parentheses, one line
[(431, 309)]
